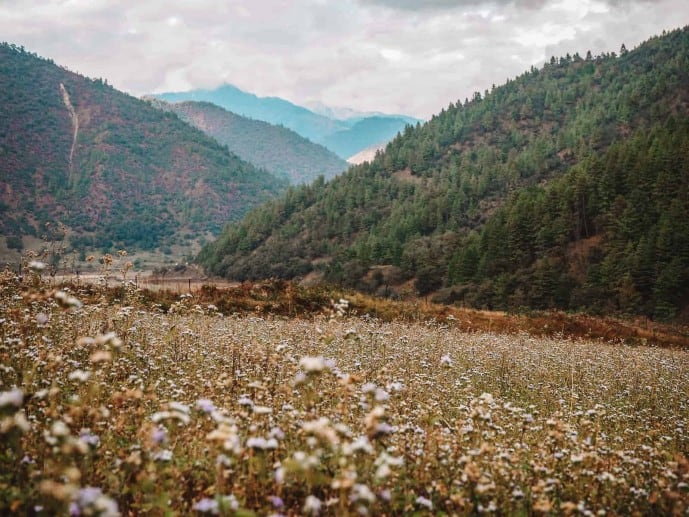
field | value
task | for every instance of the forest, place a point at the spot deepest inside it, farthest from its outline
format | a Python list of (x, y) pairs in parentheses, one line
[(566, 187)]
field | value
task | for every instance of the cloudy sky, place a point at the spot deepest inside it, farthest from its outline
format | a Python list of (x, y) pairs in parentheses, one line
[(396, 56)]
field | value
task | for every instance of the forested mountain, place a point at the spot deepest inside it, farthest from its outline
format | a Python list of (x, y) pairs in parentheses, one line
[(344, 137), (277, 149), (567, 187), (113, 169)]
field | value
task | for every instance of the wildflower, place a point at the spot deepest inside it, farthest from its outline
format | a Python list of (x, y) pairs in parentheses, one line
[(109, 339), (79, 375), (322, 429), (277, 433), (246, 401), (41, 318), (89, 438), (486, 398), (446, 361), (276, 501), (312, 364), (163, 455), (59, 429), (158, 435), (169, 415), (395, 386), (360, 444), (312, 505), (262, 410), (101, 356), (92, 501), (205, 405), (67, 300), (384, 461), (363, 493), (206, 505), (14, 397), (368, 387), (262, 443), (423, 501), (36, 266), (179, 407), (517, 493)]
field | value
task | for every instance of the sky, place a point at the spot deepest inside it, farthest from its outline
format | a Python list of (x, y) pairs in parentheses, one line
[(393, 56)]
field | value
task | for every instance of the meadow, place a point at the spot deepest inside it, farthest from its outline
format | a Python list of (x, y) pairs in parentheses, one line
[(113, 404)]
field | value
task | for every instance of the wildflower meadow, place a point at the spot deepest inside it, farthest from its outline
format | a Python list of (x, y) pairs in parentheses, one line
[(120, 406)]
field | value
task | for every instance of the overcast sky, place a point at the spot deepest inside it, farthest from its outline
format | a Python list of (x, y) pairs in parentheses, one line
[(396, 56)]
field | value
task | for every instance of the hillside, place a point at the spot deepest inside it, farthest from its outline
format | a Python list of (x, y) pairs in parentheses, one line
[(277, 149), (344, 137), (567, 187), (116, 171)]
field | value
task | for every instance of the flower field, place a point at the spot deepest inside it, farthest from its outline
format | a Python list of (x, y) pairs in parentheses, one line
[(125, 408)]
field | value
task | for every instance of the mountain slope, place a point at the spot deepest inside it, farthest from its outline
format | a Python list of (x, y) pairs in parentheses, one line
[(115, 170), (275, 148), (566, 187), (345, 137)]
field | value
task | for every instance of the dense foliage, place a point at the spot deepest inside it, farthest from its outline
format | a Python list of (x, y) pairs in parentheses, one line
[(566, 187), (277, 149), (115, 170)]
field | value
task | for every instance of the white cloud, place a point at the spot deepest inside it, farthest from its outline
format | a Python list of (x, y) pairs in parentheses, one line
[(379, 55)]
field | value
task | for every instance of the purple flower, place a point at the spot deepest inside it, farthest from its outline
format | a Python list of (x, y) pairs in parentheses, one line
[(205, 405), (276, 501), (206, 505), (158, 435), (89, 495), (89, 438)]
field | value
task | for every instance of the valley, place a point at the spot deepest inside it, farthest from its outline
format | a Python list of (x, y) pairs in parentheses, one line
[(214, 302)]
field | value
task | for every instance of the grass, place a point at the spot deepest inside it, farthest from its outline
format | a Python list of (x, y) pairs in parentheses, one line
[(123, 401)]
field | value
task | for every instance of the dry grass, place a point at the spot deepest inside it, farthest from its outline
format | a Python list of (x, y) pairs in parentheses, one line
[(125, 406)]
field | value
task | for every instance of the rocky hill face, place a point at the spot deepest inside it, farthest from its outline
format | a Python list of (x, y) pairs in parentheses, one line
[(277, 149), (567, 187), (113, 169)]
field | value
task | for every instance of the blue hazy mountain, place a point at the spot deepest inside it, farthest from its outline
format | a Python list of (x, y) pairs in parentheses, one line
[(344, 137)]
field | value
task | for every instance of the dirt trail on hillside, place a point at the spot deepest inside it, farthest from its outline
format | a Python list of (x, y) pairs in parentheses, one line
[(75, 126)]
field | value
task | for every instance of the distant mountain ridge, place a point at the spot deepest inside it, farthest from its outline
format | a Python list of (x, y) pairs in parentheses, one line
[(279, 150), (116, 171), (340, 136)]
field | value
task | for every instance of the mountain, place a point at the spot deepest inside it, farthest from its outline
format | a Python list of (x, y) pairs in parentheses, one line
[(113, 169), (268, 109), (351, 116), (567, 187), (345, 137), (366, 133), (277, 149)]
